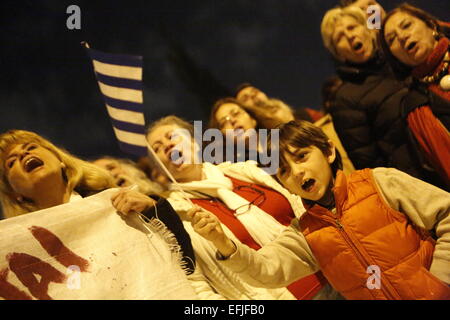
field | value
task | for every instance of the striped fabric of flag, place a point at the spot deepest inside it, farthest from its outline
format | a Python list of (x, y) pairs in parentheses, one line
[(120, 80)]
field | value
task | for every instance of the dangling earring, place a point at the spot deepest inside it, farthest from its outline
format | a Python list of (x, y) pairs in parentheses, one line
[(436, 35)]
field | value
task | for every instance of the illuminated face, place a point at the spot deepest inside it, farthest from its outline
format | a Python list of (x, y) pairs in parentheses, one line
[(30, 167), (251, 96), (410, 40), (175, 148), (353, 41), (308, 173), (121, 176), (364, 4), (230, 116)]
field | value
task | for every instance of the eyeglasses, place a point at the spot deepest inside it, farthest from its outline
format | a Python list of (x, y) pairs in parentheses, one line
[(257, 201), (233, 115)]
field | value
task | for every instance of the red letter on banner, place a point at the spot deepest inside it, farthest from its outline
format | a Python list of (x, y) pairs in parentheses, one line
[(55, 248), (9, 291), (25, 266)]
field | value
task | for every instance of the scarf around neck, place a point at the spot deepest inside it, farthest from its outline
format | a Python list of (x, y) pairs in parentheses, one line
[(433, 61), (260, 225)]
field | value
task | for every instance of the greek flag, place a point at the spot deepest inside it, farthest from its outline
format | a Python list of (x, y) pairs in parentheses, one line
[(120, 80)]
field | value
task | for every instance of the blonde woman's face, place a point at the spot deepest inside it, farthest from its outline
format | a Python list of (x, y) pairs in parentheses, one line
[(410, 40), (175, 148), (29, 167), (353, 41)]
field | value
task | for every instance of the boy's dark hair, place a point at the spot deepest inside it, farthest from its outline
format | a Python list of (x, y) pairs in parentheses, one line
[(303, 134)]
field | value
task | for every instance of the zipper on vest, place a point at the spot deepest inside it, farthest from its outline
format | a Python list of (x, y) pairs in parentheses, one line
[(384, 287)]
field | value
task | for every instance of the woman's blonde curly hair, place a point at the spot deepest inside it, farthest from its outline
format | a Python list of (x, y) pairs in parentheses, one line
[(81, 176), (330, 19)]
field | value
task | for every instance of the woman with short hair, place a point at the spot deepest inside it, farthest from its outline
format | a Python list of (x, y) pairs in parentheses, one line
[(250, 204)]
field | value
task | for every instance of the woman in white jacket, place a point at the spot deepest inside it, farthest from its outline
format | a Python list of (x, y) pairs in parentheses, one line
[(253, 208)]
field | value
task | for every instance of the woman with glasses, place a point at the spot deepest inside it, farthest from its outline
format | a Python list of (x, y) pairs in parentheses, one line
[(252, 207), (235, 120)]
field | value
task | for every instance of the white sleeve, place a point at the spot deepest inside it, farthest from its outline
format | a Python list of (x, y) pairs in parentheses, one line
[(277, 264), (425, 205), (202, 287)]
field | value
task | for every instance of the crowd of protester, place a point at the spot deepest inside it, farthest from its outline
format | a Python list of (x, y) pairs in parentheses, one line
[(362, 182)]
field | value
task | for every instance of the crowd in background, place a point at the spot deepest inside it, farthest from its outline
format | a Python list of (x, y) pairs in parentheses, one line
[(362, 182)]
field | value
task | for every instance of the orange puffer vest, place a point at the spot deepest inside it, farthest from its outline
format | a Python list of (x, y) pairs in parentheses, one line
[(365, 232)]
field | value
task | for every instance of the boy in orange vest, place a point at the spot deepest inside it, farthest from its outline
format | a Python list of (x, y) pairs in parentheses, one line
[(372, 233)]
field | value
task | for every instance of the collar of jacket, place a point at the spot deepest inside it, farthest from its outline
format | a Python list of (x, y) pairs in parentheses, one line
[(433, 61), (355, 72)]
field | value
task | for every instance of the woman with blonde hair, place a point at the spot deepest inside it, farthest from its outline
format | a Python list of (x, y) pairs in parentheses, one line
[(250, 204), (35, 174), (366, 108), (126, 173)]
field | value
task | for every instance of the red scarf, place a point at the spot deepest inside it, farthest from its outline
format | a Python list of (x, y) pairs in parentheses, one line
[(433, 61), (434, 140)]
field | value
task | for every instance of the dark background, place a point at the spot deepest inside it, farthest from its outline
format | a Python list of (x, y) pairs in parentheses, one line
[(194, 51)]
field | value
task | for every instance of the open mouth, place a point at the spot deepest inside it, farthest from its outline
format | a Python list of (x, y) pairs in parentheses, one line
[(411, 46), (176, 156), (308, 185), (357, 46), (121, 182), (32, 163)]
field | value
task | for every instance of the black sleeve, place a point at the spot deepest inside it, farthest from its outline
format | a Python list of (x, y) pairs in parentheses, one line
[(173, 222)]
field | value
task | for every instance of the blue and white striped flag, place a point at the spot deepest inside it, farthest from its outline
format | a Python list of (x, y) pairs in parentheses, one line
[(120, 80)]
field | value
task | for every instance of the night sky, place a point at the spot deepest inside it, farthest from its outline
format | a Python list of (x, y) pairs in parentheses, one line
[(48, 85)]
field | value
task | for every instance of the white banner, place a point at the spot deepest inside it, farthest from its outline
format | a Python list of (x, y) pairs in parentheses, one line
[(85, 250)]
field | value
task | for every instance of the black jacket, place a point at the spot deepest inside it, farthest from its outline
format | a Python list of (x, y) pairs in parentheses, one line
[(173, 222), (368, 119)]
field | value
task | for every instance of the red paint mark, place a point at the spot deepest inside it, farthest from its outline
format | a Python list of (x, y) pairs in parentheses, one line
[(25, 266), (9, 291), (55, 248)]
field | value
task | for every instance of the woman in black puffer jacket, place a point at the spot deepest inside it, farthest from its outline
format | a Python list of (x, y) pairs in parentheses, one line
[(366, 112)]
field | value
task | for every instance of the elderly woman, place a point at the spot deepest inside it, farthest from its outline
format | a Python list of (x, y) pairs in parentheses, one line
[(35, 174), (126, 173), (250, 204), (367, 105), (416, 45)]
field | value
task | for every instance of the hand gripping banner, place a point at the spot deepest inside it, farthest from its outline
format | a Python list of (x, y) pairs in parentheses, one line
[(85, 250)]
